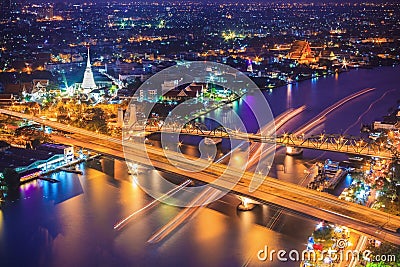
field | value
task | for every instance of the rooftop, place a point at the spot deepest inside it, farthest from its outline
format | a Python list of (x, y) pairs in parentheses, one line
[(14, 157)]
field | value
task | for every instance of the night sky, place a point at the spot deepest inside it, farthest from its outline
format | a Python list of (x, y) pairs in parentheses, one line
[(212, 1)]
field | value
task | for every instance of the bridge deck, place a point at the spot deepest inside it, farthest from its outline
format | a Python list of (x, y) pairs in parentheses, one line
[(320, 205)]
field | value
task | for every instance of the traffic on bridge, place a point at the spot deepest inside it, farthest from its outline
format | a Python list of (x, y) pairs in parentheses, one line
[(313, 203)]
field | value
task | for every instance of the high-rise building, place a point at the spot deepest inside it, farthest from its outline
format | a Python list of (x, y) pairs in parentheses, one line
[(88, 83)]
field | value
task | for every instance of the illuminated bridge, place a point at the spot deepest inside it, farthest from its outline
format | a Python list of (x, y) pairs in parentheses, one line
[(294, 197), (327, 142)]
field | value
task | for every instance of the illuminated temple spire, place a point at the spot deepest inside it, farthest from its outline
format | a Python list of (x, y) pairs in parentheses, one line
[(88, 83)]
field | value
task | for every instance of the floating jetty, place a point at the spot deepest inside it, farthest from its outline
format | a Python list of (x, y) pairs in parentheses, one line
[(332, 182), (66, 167), (328, 177), (333, 173)]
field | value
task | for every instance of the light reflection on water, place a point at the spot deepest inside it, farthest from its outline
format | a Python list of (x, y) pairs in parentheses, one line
[(76, 227), (70, 223)]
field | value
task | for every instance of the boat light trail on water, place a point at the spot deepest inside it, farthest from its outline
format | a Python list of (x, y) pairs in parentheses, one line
[(170, 193), (318, 119), (256, 149), (307, 127), (188, 212), (207, 195), (278, 123), (369, 108), (212, 193)]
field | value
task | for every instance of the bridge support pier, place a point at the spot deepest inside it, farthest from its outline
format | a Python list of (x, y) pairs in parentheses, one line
[(247, 204), (293, 151)]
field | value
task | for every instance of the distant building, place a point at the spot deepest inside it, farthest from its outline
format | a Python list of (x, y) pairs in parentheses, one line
[(130, 116), (76, 58), (12, 88), (183, 93), (6, 99), (249, 65), (148, 95), (120, 117), (88, 83), (126, 71), (32, 161), (378, 125), (169, 85), (39, 85), (377, 40), (123, 67), (327, 55), (301, 52)]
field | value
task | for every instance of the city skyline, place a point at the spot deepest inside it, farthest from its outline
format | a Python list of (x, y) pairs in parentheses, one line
[(207, 1), (224, 133)]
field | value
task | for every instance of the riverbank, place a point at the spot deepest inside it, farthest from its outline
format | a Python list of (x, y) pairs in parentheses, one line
[(282, 83), (319, 73)]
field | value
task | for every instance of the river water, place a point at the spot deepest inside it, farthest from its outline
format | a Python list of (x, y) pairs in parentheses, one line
[(70, 223)]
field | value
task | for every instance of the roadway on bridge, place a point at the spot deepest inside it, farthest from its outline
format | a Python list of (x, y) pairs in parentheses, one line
[(296, 198), (317, 204)]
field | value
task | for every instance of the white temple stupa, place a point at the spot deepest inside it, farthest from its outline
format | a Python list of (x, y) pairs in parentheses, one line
[(88, 83)]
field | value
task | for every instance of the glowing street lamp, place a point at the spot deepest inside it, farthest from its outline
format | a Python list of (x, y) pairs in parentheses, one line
[(344, 64), (228, 35)]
